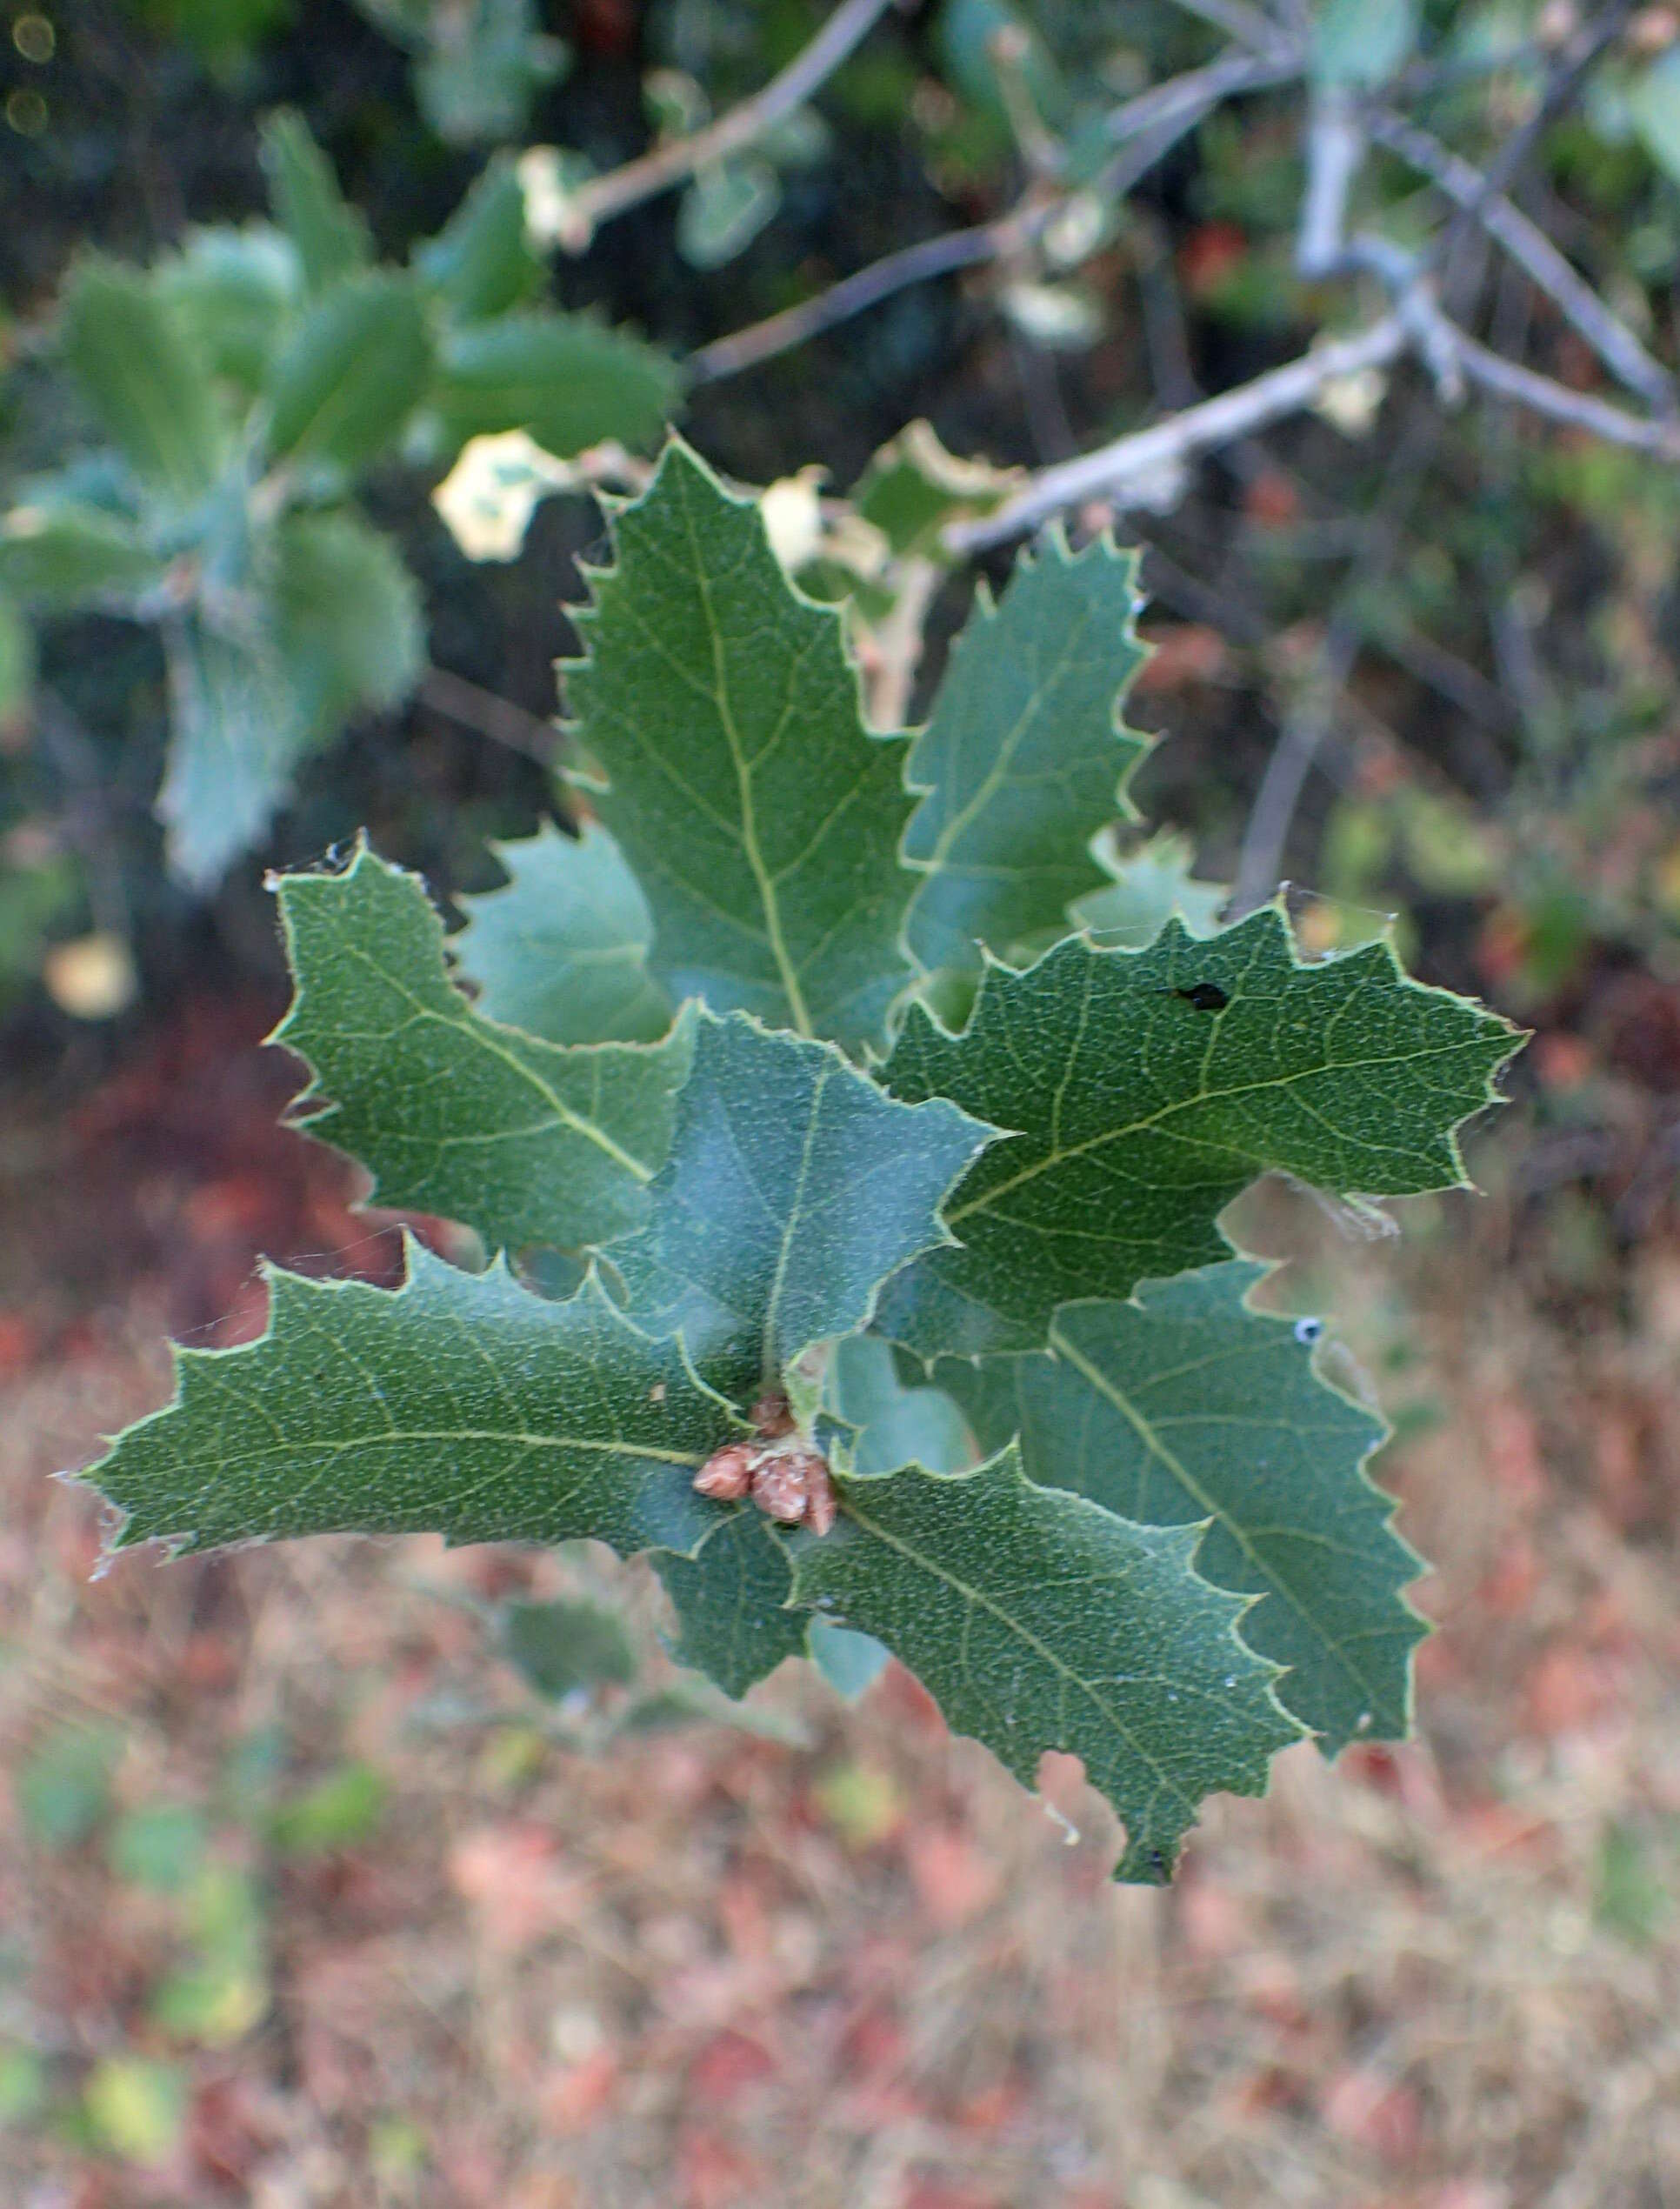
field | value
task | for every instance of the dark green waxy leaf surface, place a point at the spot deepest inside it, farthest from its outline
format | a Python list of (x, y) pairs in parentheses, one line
[(567, 379), (1022, 761), (525, 1141), (562, 950), (459, 1404), (1186, 1407), (145, 378), (1147, 1088), (350, 373), (793, 1188), (760, 816), (729, 1599), (1038, 1622)]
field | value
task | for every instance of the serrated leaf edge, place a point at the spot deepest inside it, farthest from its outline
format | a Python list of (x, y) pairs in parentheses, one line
[(314, 1124), (419, 1262)]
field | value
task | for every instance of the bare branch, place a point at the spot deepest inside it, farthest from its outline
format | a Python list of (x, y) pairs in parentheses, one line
[(1528, 246), (602, 198), (1579, 410), (1142, 131), (458, 700), (853, 294), (1114, 470)]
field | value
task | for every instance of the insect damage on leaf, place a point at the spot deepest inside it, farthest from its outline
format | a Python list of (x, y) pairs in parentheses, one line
[(1146, 1089)]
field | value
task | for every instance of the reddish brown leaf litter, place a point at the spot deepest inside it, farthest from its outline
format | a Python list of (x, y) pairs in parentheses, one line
[(700, 1967)]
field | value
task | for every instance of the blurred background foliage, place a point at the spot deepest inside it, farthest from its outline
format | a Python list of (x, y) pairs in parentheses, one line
[(1484, 608)]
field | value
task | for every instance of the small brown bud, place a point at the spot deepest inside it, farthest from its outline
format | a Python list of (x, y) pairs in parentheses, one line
[(727, 1474), (781, 1484)]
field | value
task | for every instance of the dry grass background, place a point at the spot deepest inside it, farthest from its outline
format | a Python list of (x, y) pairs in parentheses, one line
[(851, 1967)]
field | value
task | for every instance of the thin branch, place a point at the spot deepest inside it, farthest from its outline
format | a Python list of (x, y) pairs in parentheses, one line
[(602, 198), (930, 256), (1143, 456), (1142, 131), (498, 718), (1527, 245), (1314, 721), (1113, 470), (1579, 410)]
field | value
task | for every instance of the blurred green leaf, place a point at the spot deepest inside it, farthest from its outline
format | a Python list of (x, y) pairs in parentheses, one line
[(60, 555), (23, 2086), (1363, 43), (223, 33), (136, 2107), (1631, 1895), (224, 1992), (480, 263), (345, 382), (488, 59), (336, 1813), (567, 379), (724, 210), (331, 237), (1653, 104), (350, 618), (63, 1785), (237, 731), (16, 655), (559, 1647), (236, 291), (146, 379), (160, 1845)]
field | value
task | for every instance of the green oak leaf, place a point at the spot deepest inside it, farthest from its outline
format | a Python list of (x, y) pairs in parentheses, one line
[(730, 1599), (1146, 1088), (794, 1187), (760, 815), (527, 1142), (459, 1404), (1020, 763), (1185, 1406), (1039, 1621), (1145, 890), (561, 951)]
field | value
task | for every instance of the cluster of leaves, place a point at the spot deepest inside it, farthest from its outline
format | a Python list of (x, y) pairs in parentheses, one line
[(1092, 1498), (246, 384)]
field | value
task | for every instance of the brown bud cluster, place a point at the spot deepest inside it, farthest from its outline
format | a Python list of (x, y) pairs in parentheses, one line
[(787, 1479)]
